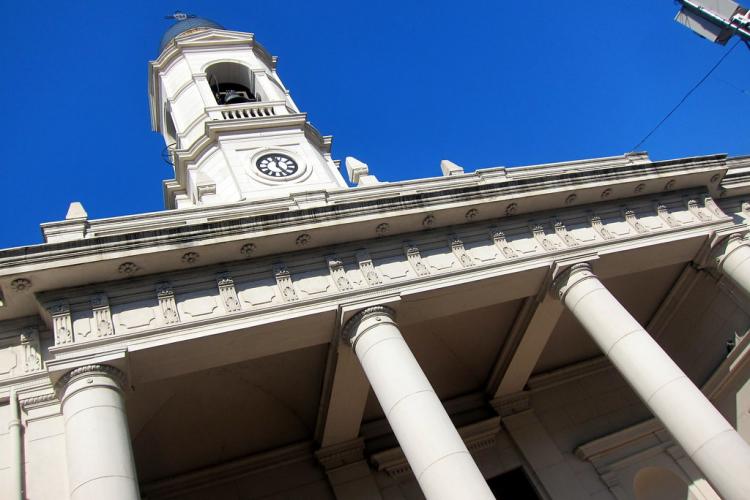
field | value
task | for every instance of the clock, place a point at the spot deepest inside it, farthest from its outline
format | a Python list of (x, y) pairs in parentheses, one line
[(276, 165)]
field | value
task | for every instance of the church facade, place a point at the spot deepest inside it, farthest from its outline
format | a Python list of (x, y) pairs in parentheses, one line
[(573, 330)]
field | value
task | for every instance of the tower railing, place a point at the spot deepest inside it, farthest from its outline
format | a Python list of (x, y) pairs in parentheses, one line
[(248, 110)]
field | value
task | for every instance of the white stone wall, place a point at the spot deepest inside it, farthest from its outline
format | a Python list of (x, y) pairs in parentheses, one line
[(44, 447)]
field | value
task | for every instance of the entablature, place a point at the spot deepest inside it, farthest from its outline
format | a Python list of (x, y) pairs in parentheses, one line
[(165, 308), (281, 230), (489, 192)]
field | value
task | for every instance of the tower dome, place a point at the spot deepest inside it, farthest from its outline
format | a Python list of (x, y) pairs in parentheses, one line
[(184, 24)]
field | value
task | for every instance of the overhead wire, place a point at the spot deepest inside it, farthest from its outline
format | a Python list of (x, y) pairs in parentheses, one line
[(693, 89)]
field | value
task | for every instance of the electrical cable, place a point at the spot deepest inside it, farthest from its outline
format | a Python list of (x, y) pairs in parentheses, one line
[(695, 87)]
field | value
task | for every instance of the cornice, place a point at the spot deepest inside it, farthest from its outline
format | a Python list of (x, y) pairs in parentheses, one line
[(370, 202), (544, 239), (736, 182)]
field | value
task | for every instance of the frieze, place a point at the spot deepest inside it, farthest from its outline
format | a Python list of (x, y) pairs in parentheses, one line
[(246, 286)]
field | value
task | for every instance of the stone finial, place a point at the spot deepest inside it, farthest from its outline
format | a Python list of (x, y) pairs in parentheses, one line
[(76, 211), (355, 169), (359, 172), (449, 168)]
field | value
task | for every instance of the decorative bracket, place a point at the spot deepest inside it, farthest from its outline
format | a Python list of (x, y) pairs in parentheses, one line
[(102, 315), (498, 237), (368, 269), (338, 273), (415, 259), (62, 325), (457, 247), (228, 293), (284, 281), (167, 303)]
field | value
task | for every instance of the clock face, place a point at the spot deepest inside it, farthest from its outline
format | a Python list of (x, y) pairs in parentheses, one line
[(276, 165)]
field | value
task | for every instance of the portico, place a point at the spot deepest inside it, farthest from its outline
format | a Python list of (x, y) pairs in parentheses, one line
[(435, 452)]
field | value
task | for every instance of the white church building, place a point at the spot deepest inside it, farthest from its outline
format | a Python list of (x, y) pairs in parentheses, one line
[(573, 330)]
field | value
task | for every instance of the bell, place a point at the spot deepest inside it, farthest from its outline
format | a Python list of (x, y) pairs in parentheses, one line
[(235, 97)]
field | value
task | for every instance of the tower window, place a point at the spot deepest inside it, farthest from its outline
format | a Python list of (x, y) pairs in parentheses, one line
[(170, 134), (231, 83)]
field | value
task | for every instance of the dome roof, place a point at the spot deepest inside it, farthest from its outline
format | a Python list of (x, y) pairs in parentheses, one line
[(191, 23)]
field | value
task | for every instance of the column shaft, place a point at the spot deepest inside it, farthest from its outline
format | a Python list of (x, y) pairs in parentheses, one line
[(436, 453), (735, 263), (710, 441), (100, 458)]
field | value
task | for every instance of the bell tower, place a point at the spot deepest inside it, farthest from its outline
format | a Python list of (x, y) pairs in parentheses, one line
[(231, 128)]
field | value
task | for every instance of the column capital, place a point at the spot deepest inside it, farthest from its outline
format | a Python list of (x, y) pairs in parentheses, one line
[(350, 331), (110, 372), (725, 245), (570, 277)]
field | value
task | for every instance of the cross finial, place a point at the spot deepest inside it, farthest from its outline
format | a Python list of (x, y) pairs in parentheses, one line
[(179, 15)]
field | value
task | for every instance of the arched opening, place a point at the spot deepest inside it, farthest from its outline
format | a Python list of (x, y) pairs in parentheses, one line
[(170, 132), (231, 83), (658, 483)]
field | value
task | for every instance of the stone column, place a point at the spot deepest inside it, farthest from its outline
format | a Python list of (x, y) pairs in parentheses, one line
[(707, 438), (734, 261), (436, 453), (97, 442)]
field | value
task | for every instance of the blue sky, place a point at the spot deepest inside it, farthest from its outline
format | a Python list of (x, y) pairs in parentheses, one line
[(400, 85)]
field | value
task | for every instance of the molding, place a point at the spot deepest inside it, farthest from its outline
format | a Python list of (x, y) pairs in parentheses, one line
[(39, 401), (554, 378), (512, 404), (96, 369), (339, 455), (570, 277), (229, 471), (348, 331), (374, 201)]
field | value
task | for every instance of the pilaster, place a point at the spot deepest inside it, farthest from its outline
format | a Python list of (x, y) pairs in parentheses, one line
[(348, 472)]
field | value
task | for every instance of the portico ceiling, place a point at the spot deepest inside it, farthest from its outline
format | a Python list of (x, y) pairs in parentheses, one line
[(209, 417)]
